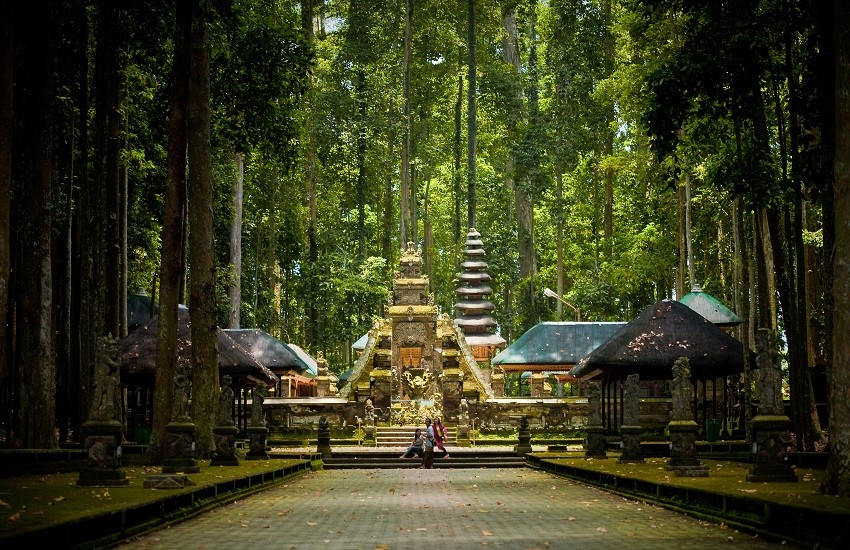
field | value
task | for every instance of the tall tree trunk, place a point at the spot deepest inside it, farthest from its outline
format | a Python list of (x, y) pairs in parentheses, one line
[(456, 176), (6, 43), (516, 175), (312, 321), (235, 290), (201, 236), (387, 227), (472, 114), (405, 150), (64, 144), (81, 287), (609, 133), (681, 241), (107, 160), (804, 414), (838, 470), (361, 164), (173, 229), (33, 300), (692, 281)]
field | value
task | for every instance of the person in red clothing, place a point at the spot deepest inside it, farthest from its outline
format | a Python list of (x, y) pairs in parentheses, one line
[(440, 433)]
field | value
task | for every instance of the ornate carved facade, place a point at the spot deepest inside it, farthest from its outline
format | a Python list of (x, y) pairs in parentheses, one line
[(415, 357)]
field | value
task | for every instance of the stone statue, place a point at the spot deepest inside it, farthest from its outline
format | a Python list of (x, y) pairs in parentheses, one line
[(769, 375), (463, 412), (680, 390), (321, 364), (106, 383), (225, 402), (416, 385), (258, 394), (369, 413), (594, 405), (180, 412), (631, 401)]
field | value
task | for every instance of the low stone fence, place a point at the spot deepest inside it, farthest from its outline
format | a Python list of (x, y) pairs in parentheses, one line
[(302, 414)]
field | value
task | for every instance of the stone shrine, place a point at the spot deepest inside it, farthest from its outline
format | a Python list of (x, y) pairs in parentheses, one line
[(416, 362)]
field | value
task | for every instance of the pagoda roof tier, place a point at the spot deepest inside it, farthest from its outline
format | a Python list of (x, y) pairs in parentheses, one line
[(473, 277), (474, 252), (482, 290), (471, 321), (485, 339), (470, 305), (474, 265)]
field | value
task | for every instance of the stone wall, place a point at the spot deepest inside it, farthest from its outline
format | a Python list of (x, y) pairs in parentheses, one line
[(298, 415)]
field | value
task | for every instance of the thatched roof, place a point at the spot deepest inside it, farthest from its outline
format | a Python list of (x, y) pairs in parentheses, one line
[(268, 350), (138, 352), (652, 341)]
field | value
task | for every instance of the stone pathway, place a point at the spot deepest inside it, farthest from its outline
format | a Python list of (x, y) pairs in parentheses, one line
[(442, 509)]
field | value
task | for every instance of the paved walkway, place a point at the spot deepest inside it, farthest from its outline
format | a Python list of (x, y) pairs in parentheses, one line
[(441, 509)]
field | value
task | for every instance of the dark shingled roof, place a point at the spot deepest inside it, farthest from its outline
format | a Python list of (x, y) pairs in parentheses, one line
[(653, 340), (557, 344), (138, 352), (267, 350), (140, 308)]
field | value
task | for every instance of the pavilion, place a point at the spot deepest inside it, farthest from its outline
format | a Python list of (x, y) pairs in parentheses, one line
[(296, 376), (649, 345), (138, 368), (553, 348)]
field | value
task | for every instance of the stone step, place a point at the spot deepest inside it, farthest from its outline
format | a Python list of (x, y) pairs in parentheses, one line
[(455, 461), (401, 436)]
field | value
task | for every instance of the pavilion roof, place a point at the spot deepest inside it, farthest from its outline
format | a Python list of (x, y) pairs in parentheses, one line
[(268, 350), (555, 345), (138, 352), (652, 341), (309, 360), (709, 307)]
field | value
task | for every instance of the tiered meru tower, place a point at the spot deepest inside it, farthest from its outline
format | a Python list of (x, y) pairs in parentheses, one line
[(472, 310)]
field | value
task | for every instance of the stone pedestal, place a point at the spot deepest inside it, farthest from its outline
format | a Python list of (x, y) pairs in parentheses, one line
[(324, 439), (524, 445), (103, 465), (770, 444), (180, 449), (683, 461), (225, 446), (497, 383), (631, 444), (596, 442), (257, 438), (537, 380)]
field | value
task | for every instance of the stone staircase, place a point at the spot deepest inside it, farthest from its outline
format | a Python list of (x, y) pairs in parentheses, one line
[(458, 458), (401, 436)]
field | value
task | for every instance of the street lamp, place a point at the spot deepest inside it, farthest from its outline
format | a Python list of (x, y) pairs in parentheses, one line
[(549, 293)]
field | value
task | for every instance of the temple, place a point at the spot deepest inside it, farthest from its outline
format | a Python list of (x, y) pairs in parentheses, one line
[(416, 362)]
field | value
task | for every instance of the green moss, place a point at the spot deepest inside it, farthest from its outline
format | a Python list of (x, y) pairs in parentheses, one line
[(725, 477), (34, 502)]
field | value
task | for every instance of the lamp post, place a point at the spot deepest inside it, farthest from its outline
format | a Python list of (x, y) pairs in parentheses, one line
[(549, 293)]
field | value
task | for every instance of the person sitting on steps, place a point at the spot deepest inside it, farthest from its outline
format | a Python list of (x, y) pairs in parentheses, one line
[(415, 448)]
